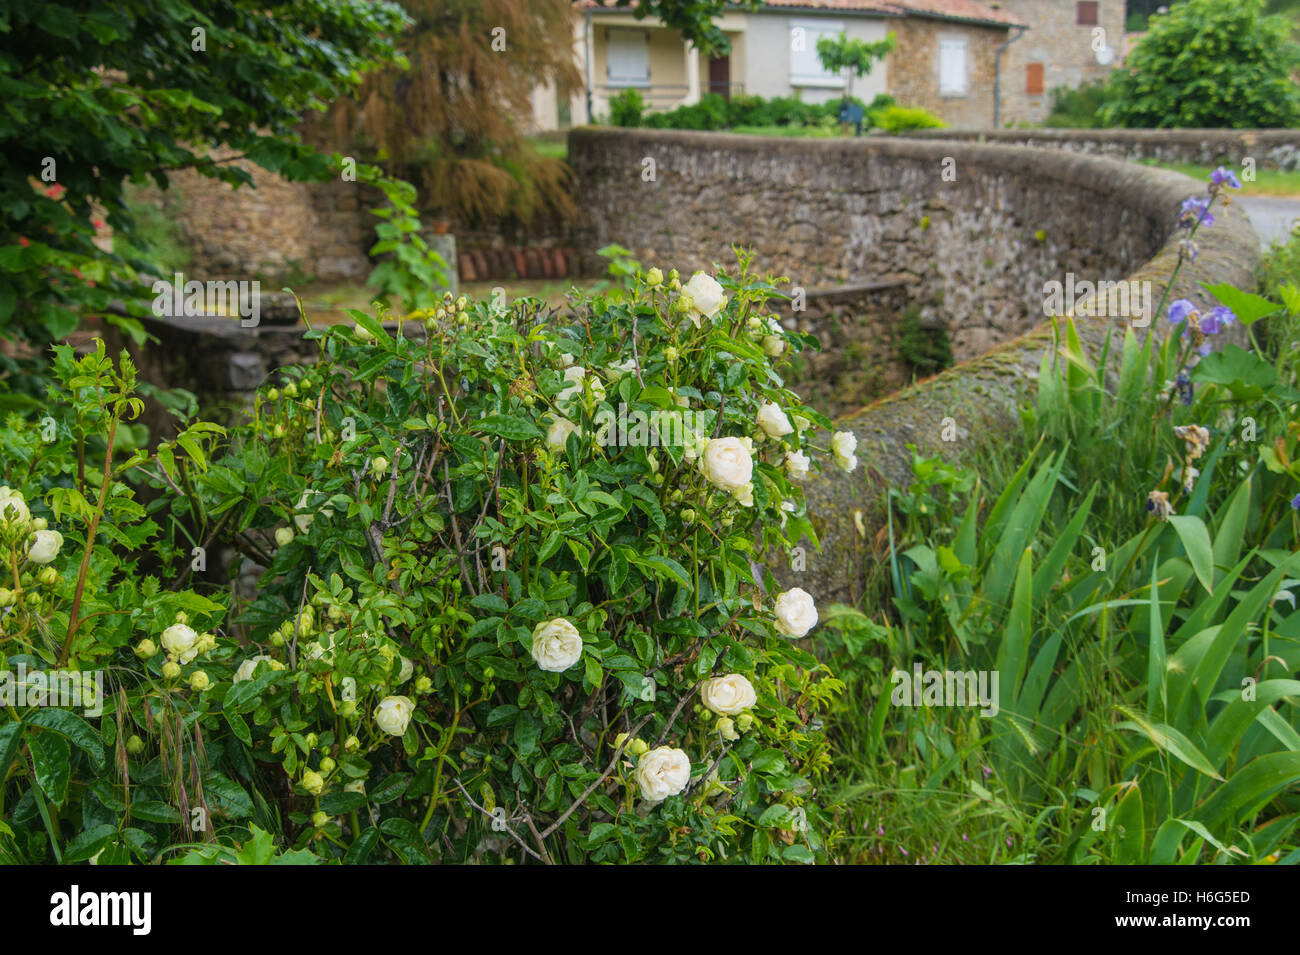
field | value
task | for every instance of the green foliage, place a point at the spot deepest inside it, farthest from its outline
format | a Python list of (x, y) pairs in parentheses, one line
[(841, 53), (626, 108), (414, 273), (714, 112), (89, 570), (1079, 107), (130, 91), (926, 351), (427, 514), (899, 119), (1209, 64)]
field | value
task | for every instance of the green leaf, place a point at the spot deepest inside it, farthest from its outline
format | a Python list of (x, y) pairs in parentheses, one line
[(1247, 306), (1196, 541), (52, 763), (510, 427), (77, 730), (1170, 740)]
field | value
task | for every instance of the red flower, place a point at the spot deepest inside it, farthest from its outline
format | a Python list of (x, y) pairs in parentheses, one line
[(22, 240), (97, 223)]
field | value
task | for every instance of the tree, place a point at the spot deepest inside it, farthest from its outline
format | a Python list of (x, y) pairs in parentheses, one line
[(1209, 63), (103, 94), (848, 53), (451, 123)]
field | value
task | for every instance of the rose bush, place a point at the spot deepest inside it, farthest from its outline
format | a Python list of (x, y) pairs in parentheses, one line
[(561, 586), (512, 602)]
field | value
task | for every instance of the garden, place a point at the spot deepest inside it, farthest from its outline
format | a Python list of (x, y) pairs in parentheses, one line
[(506, 578)]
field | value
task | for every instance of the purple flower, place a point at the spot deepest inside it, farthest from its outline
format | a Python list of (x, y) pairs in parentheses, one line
[(1217, 319), (1185, 390), (1195, 212), (1180, 309), (1222, 175), (1295, 503)]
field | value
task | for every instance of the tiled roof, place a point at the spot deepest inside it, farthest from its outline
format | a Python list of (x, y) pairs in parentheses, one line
[(972, 10), (963, 10)]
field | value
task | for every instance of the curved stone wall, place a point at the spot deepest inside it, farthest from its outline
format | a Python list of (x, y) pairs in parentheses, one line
[(1268, 148), (1012, 219)]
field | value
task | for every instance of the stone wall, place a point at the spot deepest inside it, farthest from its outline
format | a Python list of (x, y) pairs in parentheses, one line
[(1011, 219), (1270, 148), (276, 230), (976, 246)]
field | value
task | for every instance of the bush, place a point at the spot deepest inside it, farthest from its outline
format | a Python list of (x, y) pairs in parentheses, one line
[(490, 612), (1079, 108), (898, 119), (1209, 64), (626, 108)]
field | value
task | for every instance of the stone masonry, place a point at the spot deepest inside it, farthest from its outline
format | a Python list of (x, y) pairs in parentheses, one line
[(975, 249), (1064, 48)]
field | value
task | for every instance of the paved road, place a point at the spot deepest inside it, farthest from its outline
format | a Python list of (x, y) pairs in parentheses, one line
[(1271, 217)]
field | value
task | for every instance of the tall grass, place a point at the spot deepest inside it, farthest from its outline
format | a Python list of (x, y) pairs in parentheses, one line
[(1147, 699)]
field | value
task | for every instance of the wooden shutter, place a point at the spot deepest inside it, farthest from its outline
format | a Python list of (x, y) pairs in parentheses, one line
[(1034, 79)]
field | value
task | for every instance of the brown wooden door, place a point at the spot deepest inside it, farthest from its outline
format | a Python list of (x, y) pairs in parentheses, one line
[(720, 76)]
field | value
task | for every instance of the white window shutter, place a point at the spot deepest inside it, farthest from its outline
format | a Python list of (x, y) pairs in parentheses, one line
[(952, 67), (627, 57), (805, 65)]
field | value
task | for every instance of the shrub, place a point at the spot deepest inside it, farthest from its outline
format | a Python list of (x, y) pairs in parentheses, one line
[(625, 108), (1209, 63), (897, 119), (494, 622), (1079, 108)]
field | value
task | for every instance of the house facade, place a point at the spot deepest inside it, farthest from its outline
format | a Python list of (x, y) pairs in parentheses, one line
[(973, 63), (1068, 43), (944, 60)]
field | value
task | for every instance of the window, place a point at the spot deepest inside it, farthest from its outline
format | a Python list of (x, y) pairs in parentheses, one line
[(805, 65), (952, 67), (1034, 79), (1086, 13), (627, 57)]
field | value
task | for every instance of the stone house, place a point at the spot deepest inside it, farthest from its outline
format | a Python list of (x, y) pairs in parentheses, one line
[(945, 60), (1068, 43)]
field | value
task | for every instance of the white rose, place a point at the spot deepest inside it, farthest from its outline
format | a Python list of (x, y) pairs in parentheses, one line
[(797, 464), (773, 420), (662, 772), (393, 714), (574, 376), (774, 340), (178, 640), (728, 695), (557, 645), (727, 464), (843, 444), (45, 547), (621, 368), (248, 667), (559, 433), (795, 612), (283, 536), (693, 444), (706, 297), (13, 509), (304, 520)]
